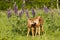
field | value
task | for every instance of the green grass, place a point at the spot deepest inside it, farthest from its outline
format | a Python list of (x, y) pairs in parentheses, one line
[(15, 28), (55, 36)]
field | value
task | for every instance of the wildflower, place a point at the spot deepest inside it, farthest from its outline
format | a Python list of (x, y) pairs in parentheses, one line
[(9, 12), (45, 9), (33, 12), (22, 10), (23, 5), (15, 8), (27, 13), (20, 13)]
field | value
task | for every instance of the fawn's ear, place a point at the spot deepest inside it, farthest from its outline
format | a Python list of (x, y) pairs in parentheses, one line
[(41, 19)]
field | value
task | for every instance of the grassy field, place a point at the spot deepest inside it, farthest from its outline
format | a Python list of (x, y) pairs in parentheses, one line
[(14, 28)]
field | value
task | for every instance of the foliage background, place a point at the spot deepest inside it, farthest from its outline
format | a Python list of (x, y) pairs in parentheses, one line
[(5, 4), (14, 27)]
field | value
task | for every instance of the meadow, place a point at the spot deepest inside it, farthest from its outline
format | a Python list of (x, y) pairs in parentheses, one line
[(15, 27)]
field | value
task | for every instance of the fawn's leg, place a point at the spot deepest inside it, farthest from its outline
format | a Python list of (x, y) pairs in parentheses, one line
[(36, 31), (28, 32), (39, 31), (32, 31), (42, 29)]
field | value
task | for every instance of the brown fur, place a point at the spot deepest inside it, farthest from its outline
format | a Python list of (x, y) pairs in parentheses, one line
[(37, 23)]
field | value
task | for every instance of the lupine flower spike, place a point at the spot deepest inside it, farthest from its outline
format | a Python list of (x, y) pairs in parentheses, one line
[(15, 8), (33, 12), (27, 13), (9, 12), (20, 13), (45, 9)]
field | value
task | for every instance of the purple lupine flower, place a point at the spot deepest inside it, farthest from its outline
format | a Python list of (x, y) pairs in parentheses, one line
[(20, 13), (45, 9), (23, 5), (14, 4), (9, 12), (27, 13), (15, 8), (33, 12), (22, 10)]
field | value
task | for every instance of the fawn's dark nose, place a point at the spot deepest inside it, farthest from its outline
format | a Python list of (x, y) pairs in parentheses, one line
[(33, 25)]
